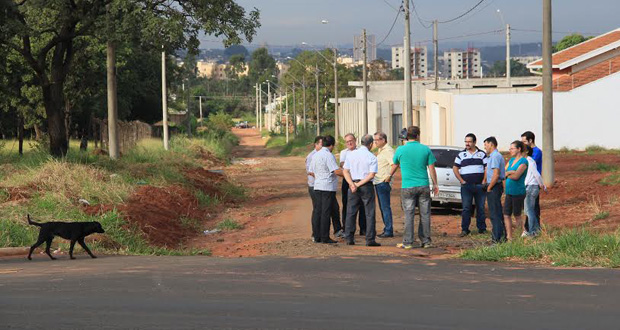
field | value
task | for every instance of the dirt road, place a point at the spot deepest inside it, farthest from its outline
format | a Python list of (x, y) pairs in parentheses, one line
[(276, 217)]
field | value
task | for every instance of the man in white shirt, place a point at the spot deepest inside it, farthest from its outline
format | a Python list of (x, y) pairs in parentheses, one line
[(351, 145), (325, 170), (360, 168), (318, 144)]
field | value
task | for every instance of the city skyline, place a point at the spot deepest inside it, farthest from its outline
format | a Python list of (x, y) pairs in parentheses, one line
[(293, 22)]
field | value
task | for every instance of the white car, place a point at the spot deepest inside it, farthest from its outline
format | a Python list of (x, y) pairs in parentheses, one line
[(449, 185)]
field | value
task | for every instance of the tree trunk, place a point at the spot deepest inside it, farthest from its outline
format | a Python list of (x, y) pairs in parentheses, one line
[(53, 101), (20, 133), (67, 120)]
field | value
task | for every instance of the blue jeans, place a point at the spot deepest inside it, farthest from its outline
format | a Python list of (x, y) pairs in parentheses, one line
[(494, 200), (383, 195), (410, 197), (469, 193), (531, 195)]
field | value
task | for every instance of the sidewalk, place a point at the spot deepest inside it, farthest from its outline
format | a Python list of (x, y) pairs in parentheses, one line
[(14, 251)]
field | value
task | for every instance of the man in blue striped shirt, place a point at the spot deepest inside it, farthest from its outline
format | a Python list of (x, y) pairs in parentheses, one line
[(469, 168)]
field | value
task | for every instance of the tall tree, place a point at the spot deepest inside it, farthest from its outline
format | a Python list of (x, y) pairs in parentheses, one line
[(44, 33), (517, 69)]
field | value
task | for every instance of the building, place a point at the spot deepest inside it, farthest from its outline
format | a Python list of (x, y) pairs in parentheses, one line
[(282, 69), (419, 60), (586, 80), (217, 71), (386, 102), (462, 64), (358, 47)]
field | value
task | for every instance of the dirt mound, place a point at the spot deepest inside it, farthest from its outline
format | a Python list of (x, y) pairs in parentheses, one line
[(208, 182), (17, 193), (159, 212)]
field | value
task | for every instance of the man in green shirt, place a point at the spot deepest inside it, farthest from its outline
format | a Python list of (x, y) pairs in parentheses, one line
[(414, 158)]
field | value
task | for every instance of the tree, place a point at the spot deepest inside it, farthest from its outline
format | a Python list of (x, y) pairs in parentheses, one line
[(262, 66), (236, 50), (44, 34), (569, 41), (517, 69)]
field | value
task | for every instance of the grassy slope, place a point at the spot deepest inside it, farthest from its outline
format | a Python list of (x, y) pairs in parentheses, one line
[(53, 187)]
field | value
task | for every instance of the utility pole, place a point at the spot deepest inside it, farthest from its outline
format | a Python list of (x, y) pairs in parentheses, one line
[(318, 122), (260, 107), (436, 55), (256, 93), (365, 85), (113, 147), (407, 115), (508, 56), (286, 126), (164, 98), (336, 106), (303, 81), (280, 114), (269, 122), (294, 111), (548, 172)]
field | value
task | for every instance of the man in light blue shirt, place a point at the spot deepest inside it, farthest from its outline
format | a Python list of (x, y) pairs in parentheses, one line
[(360, 168), (496, 173), (325, 169)]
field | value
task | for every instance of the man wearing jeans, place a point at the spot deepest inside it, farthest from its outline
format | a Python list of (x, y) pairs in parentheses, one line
[(468, 168), (413, 158), (383, 186), (496, 173)]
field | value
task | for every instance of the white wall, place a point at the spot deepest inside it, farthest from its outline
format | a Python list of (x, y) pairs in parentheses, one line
[(588, 115)]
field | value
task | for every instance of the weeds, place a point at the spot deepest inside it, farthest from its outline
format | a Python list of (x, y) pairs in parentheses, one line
[(577, 247), (228, 224), (611, 180)]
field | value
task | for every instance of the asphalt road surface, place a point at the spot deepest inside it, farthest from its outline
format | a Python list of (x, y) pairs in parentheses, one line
[(115, 292)]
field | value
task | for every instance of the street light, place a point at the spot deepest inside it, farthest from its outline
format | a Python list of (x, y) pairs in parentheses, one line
[(303, 84)]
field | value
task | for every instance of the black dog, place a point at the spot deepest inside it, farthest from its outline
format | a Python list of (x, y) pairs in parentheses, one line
[(73, 231)]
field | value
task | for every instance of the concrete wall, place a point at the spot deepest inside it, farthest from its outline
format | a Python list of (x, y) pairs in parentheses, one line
[(586, 116)]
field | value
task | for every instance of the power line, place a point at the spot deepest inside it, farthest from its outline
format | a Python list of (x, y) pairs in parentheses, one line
[(391, 28), (415, 11), (465, 35), (389, 4), (463, 14)]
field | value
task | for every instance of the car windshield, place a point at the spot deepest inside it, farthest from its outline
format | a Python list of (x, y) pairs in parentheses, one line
[(445, 158)]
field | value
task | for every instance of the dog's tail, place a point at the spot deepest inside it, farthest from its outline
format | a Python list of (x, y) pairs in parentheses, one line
[(30, 222)]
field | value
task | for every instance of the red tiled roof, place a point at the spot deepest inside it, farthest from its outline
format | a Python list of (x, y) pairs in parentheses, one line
[(569, 82), (582, 48)]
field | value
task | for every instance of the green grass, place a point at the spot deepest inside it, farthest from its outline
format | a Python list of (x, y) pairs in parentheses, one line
[(576, 247), (600, 167), (298, 145), (228, 224), (601, 215), (205, 200), (611, 180)]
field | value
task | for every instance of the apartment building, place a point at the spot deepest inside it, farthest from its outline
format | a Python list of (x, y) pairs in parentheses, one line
[(419, 60), (214, 70), (358, 47), (462, 64)]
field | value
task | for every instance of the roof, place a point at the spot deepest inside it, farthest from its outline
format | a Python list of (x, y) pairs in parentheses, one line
[(582, 51), (595, 72)]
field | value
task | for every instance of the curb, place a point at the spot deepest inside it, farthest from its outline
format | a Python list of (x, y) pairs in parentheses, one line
[(14, 251)]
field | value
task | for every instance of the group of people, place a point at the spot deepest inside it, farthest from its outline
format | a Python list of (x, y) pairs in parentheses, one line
[(367, 176), (484, 176)]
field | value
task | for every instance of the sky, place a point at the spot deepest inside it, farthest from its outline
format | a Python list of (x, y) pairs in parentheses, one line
[(291, 22)]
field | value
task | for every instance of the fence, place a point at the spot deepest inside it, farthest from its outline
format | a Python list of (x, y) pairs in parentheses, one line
[(129, 134)]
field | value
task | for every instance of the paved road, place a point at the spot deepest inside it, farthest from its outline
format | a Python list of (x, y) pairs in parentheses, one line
[(117, 292)]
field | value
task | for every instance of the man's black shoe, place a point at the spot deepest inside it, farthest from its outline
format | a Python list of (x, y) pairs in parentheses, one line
[(384, 235), (373, 243), (464, 233), (482, 231), (328, 241), (362, 233), (316, 240), (350, 243)]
